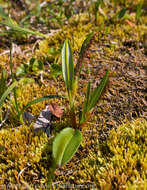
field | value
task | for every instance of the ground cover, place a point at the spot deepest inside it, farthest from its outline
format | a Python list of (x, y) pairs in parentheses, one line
[(113, 153)]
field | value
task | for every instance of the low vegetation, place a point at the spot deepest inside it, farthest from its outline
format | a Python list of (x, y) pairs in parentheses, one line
[(84, 62)]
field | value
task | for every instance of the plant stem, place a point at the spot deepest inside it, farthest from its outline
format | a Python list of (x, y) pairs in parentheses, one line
[(51, 175), (72, 110), (73, 117), (13, 79)]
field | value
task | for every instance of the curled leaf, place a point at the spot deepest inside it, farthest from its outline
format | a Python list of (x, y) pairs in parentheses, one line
[(56, 110)]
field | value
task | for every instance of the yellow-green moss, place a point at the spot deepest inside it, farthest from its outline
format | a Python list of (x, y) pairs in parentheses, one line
[(31, 91), (22, 154), (75, 33), (118, 163), (27, 93), (127, 167)]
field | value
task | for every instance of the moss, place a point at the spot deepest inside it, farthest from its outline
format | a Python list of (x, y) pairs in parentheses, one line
[(126, 168), (4, 59), (31, 91), (21, 157), (128, 163), (75, 33), (117, 163), (27, 93)]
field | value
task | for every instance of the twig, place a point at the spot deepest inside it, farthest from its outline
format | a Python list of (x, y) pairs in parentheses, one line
[(20, 173), (5, 52), (6, 117)]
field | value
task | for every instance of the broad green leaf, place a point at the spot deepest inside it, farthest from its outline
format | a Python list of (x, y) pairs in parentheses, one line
[(37, 100), (5, 94), (95, 95), (72, 147), (86, 101), (67, 65), (65, 145)]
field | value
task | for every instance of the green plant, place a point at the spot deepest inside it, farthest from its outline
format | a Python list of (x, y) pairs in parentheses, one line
[(68, 140), (14, 27), (56, 70), (68, 71), (122, 13), (3, 82), (91, 98), (82, 54), (97, 5), (71, 84), (13, 79), (138, 11), (4, 90), (3, 96), (6, 93), (35, 12), (64, 146), (32, 67), (58, 12)]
